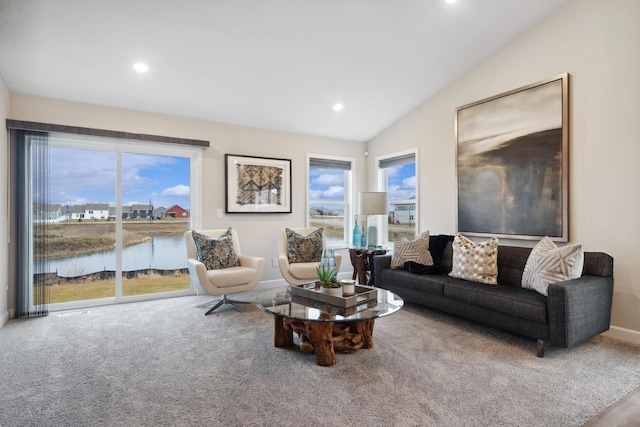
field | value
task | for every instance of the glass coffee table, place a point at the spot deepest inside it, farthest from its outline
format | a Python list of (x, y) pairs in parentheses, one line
[(324, 328)]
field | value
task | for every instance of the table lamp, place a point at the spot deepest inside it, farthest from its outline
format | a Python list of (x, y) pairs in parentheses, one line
[(373, 203)]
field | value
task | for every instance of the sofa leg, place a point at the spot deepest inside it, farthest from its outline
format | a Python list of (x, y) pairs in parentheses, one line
[(541, 347)]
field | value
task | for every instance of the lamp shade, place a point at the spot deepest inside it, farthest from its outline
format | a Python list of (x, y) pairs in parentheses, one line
[(374, 203)]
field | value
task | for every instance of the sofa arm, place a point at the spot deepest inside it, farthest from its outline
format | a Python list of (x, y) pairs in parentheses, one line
[(579, 309), (380, 262)]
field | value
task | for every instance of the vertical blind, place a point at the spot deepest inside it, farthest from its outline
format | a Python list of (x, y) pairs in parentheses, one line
[(31, 178)]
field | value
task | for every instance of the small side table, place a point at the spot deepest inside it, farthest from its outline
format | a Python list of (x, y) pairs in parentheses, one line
[(362, 261)]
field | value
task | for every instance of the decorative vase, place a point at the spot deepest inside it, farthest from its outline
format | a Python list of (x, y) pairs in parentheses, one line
[(328, 260)]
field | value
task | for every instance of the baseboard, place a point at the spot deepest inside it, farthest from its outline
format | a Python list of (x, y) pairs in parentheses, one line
[(623, 334), (4, 319)]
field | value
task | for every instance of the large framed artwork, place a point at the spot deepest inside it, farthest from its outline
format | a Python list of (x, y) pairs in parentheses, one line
[(513, 163), (257, 184)]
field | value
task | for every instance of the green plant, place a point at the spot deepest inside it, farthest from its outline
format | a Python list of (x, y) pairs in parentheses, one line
[(327, 277)]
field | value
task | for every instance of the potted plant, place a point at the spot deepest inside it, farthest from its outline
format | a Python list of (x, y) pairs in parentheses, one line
[(328, 281)]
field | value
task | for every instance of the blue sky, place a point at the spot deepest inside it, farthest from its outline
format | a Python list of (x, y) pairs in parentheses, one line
[(328, 184), (84, 176)]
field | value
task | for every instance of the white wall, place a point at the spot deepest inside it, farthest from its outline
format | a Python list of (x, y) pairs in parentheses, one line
[(4, 246), (598, 43), (257, 232)]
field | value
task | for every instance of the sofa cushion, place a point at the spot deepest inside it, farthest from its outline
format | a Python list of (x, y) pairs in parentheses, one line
[(549, 264), (510, 300), (405, 250), (429, 284), (215, 253), (477, 262), (304, 248)]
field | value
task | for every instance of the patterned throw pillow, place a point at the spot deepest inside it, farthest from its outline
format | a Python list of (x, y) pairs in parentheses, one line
[(476, 262), (405, 250), (304, 248), (215, 253), (549, 264)]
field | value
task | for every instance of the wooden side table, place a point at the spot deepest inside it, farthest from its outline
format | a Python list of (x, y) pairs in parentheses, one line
[(362, 261)]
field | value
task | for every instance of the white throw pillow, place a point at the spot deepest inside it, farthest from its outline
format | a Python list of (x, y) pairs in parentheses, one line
[(549, 264), (405, 250), (476, 262)]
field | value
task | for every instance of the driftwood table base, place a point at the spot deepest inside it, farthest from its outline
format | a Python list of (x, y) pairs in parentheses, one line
[(324, 338)]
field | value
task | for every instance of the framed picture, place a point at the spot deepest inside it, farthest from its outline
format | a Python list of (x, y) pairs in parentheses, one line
[(257, 184), (513, 163)]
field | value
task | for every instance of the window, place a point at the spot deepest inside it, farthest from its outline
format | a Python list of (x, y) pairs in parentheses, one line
[(329, 197), (397, 174)]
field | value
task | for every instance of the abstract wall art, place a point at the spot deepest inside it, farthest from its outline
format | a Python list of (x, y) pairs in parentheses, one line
[(513, 163)]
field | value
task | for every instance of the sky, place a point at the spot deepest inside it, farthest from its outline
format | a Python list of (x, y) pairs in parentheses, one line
[(328, 184), (78, 177)]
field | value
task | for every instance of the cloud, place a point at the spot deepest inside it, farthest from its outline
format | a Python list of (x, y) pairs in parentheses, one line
[(409, 182), (179, 190), (329, 179), (333, 191)]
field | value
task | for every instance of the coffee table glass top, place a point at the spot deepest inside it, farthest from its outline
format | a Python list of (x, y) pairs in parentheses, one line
[(280, 302)]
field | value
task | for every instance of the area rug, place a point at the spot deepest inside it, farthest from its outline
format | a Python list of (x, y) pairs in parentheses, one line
[(163, 362)]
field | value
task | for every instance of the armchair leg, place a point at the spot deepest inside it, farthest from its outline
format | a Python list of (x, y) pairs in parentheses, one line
[(224, 301)]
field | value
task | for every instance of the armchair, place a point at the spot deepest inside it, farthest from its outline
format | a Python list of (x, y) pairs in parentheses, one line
[(298, 273), (219, 282)]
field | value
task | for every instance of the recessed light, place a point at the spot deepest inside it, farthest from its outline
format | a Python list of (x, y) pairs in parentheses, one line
[(450, 1), (140, 67), (338, 107)]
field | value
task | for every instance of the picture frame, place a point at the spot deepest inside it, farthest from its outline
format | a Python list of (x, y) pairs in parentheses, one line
[(257, 184), (512, 153)]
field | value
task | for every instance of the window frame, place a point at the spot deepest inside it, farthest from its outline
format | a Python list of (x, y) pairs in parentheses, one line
[(348, 203), (382, 181)]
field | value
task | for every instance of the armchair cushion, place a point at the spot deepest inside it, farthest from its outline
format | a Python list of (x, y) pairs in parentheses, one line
[(304, 248), (304, 270), (232, 276), (215, 253)]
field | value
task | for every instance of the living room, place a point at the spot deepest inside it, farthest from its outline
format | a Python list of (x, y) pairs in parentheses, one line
[(596, 42)]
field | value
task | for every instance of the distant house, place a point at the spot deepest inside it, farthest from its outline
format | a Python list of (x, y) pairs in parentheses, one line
[(127, 212), (176, 211), (159, 212), (96, 211), (141, 211), (404, 213), (48, 212), (76, 212)]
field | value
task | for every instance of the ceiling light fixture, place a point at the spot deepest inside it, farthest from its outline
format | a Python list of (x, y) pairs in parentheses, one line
[(338, 107), (140, 67), (451, 1)]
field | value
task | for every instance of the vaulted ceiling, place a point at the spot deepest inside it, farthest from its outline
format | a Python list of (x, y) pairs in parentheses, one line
[(272, 64)]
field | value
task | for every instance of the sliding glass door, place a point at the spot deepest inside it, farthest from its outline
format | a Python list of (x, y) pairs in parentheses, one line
[(117, 214)]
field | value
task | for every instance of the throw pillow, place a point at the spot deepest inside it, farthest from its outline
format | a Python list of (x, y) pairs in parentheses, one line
[(405, 250), (215, 253), (549, 264), (476, 262), (304, 248)]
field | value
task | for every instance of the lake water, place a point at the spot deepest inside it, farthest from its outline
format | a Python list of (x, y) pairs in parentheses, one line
[(161, 252)]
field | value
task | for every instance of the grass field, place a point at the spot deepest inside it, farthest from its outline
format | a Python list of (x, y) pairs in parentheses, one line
[(143, 284)]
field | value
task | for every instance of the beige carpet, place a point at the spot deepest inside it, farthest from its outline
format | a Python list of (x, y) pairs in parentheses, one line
[(164, 363)]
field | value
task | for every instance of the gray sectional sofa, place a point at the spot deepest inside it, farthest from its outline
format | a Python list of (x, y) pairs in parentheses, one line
[(574, 310)]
